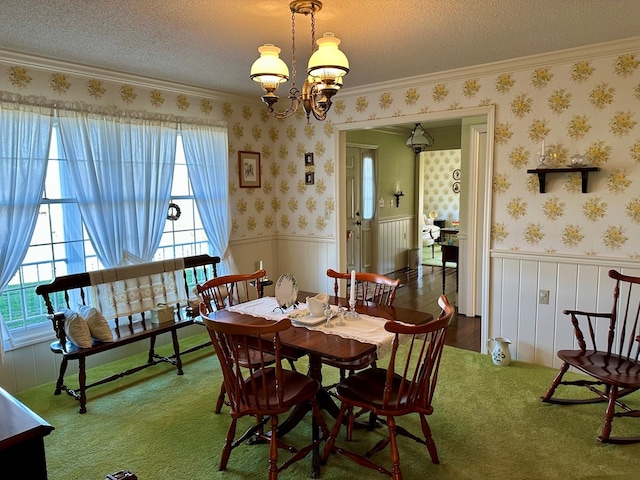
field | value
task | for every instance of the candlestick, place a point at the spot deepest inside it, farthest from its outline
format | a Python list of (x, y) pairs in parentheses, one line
[(352, 298), (352, 291)]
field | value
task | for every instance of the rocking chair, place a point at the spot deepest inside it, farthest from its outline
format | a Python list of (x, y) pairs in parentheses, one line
[(609, 355)]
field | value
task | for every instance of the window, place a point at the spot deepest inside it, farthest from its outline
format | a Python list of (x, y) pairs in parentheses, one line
[(60, 244), (368, 187)]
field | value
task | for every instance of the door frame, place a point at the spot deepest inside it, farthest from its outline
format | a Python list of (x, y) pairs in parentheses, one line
[(340, 146), (374, 222)]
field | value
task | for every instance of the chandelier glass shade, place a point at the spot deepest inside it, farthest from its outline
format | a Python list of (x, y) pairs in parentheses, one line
[(325, 69), (419, 139)]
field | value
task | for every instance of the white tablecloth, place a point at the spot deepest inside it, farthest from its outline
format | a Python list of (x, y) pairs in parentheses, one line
[(365, 328)]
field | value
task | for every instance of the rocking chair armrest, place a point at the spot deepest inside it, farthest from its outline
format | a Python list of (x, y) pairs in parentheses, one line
[(587, 314), (581, 320)]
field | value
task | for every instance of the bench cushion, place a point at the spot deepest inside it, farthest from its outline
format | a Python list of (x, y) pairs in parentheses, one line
[(76, 329), (98, 325)]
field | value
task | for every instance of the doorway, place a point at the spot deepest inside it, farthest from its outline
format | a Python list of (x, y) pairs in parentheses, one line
[(360, 194), (480, 235)]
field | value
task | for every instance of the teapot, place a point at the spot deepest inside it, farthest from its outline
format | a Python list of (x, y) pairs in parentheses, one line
[(316, 304)]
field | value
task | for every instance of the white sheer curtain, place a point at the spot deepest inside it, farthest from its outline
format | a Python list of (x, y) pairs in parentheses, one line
[(121, 170), (25, 133), (206, 154)]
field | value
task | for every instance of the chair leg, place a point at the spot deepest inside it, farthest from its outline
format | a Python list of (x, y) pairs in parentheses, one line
[(273, 450), (331, 441), (431, 445), (556, 381), (220, 401), (228, 445), (608, 415), (396, 474)]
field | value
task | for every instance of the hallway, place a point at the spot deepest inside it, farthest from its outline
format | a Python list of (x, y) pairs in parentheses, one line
[(420, 289)]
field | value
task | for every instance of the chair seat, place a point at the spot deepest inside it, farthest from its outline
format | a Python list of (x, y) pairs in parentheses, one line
[(366, 388), (359, 364), (298, 386), (254, 358), (610, 369)]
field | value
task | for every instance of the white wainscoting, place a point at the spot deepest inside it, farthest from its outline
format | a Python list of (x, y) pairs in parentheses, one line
[(536, 330), (395, 237), (308, 259)]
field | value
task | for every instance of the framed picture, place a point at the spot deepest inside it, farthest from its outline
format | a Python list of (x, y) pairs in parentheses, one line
[(309, 178), (249, 169), (456, 174), (456, 187), (308, 158)]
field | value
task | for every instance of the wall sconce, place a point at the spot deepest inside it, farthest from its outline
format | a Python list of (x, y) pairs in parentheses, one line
[(398, 194)]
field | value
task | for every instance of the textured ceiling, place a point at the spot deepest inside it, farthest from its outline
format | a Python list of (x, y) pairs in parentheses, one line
[(212, 43)]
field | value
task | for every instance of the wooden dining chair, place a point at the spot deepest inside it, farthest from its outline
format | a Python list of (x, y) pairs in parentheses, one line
[(405, 387), (608, 352), (227, 290), (264, 391), (370, 287)]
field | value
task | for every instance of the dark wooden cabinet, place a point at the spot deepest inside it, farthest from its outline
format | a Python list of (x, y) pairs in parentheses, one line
[(22, 435), (449, 254)]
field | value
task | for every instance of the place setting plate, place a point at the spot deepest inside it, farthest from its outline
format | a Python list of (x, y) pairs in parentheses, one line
[(304, 317)]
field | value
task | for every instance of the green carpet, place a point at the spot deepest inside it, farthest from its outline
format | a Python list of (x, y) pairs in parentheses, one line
[(488, 423)]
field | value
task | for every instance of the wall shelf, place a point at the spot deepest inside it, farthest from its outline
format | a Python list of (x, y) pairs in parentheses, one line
[(542, 175)]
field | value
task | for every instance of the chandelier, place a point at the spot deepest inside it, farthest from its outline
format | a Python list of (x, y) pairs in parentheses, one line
[(327, 65), (419, 139)]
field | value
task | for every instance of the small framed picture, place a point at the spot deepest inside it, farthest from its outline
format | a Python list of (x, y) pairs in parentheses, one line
[(308, 158), (456, 187), (249, 169), (309, 178), (456, 174)]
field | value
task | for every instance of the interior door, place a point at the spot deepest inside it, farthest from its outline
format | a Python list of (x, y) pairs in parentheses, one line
[(360, 196)]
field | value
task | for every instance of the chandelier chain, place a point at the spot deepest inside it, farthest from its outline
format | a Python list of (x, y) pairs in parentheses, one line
[(313, 31), (293, 48)]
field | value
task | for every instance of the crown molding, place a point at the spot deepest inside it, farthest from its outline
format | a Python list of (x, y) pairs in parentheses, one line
[(53, 65), (590, 52)]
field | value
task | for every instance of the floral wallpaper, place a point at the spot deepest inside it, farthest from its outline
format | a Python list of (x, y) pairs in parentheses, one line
[(441, 173), (587, 104)]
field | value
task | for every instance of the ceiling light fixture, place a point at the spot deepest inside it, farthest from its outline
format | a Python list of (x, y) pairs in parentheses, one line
[(327, 65), (419, 139)]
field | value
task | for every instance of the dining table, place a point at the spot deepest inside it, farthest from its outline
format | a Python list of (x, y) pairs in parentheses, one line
[(318, 343)]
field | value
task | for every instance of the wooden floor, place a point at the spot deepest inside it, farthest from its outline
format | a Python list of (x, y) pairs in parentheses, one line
[(420, 289)]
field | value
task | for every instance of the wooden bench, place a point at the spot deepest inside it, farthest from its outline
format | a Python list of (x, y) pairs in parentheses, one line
[(124, 296)]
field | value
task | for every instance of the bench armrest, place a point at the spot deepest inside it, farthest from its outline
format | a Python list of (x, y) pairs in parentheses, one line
[(57, 319)]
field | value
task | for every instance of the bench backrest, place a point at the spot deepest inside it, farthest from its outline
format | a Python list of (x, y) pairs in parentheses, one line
[(125, 291)]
